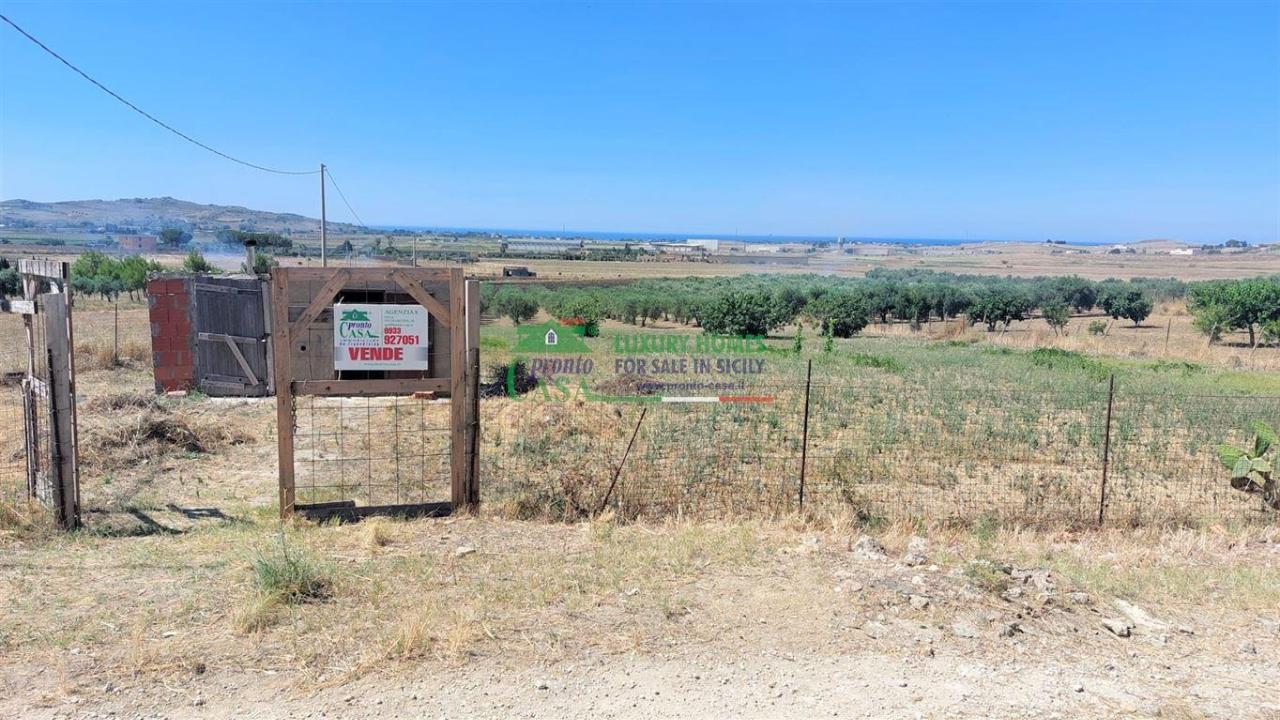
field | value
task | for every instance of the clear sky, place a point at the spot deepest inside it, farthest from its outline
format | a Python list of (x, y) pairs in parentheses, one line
[(1073, 121)]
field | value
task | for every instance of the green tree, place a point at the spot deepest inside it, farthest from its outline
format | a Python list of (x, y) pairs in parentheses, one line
[(10, 282), (195, 263), (739, 312), (1235, 305), (174, 237), (1127, 303), (999, 305), (263, 264), (843, 313), (515, 304), (1056, 314)]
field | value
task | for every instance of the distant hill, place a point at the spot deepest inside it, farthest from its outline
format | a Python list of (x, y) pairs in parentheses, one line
[(153, 214)]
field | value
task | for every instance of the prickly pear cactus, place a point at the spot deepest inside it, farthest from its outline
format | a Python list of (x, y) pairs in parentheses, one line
[(1253, 470)]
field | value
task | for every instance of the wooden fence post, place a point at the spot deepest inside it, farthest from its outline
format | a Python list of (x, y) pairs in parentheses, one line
[(804, 443), (1106, 451)]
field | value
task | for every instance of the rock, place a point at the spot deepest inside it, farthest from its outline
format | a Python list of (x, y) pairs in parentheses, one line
[(1117, 627), (1139, 617), (463, 551), (917, 552), (1010, 629), (964, 629), (199, 701), (1079, 598), (918, 602), (1079, 688), (870, 548), (1248, 648), (541, 685)]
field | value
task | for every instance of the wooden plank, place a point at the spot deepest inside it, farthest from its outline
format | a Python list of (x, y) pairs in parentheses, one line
[(265, 301), (228, 289), (62, 444), (424, 298), (18, 307), (363, 388), (457, 390), (223, 337), (319, 301), (244, 364), (40, 267), (347, 511), (283, 373)]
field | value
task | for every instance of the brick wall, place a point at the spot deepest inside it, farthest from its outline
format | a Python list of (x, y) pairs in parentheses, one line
[(172, 339)]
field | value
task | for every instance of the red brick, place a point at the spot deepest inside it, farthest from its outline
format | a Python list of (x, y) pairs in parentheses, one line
[(180, 327), (164, 372), (157, 287), (175, 286)]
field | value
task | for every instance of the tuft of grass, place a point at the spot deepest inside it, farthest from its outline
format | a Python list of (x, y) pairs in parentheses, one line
[(879, 362), (1058, 359), (378, 534), (987, 575), (291, 577)]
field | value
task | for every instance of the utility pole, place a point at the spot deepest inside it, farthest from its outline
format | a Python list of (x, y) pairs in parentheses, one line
[(415, 252), (324, 249)]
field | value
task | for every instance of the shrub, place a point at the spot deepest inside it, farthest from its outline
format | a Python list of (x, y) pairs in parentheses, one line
[(1097, 327)]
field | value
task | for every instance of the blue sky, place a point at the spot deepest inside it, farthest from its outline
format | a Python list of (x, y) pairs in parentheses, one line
[(1076, 121)]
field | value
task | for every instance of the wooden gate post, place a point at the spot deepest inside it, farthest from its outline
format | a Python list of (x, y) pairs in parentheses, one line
[(472, 312), (282, 371)]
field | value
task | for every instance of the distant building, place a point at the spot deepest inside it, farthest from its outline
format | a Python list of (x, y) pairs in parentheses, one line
[(1182, 251), (712, 246), (517, 271), (138, 243), (684, 248), (542, 245)]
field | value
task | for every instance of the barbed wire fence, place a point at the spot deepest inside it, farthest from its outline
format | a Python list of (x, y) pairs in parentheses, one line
[(880, 450)]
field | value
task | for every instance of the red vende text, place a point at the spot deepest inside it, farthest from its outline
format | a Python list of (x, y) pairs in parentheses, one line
[(382, 353)]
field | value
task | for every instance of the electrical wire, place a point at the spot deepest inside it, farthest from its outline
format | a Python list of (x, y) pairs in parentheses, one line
[(151, 117), (344, 197)]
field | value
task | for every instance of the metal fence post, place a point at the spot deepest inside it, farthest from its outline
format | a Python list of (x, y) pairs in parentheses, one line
[(1106, 451), (804, 442), (626, 453)]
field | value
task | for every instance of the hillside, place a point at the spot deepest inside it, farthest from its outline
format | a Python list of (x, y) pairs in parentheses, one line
[(154, 213)]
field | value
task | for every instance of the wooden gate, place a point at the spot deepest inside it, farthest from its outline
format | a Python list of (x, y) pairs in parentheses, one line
[(50, 474), (389, 403), (231, 317)]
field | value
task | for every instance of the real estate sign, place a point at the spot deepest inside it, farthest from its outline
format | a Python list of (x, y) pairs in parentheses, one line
[(379, 337)]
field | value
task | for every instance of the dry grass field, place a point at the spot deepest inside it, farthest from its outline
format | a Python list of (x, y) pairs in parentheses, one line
[(483, 617)]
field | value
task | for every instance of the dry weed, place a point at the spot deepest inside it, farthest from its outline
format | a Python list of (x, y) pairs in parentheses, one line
[(137, 428)]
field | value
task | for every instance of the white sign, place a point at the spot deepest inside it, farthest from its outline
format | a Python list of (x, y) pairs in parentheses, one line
[(379, 337)]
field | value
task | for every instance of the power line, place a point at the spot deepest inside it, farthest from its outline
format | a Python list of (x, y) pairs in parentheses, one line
[(329, 172), (148, 115)]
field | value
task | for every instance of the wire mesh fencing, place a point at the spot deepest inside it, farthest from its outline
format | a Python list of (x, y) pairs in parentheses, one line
[(24, 421), (371, 450), (879, 450)]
